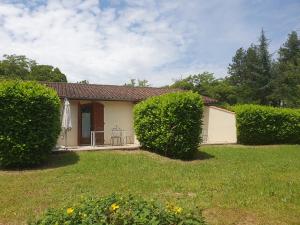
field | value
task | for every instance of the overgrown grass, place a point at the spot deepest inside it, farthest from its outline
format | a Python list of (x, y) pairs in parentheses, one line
[(232, 184)]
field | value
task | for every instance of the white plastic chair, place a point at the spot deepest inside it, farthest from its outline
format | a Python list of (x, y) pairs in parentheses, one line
[(116, 135)]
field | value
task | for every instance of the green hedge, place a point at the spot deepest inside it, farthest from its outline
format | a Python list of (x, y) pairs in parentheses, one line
[(267, 125), (30, 123), (170, 124), (120, 210)]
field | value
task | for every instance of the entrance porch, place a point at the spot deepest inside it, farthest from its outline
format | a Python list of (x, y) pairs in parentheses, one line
[(96, 123)]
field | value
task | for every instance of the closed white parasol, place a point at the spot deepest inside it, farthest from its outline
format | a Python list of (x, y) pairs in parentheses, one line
[(66, 123)]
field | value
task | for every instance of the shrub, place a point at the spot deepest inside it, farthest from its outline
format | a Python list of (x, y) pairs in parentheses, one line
[(30, 123), (170, 124), (119, 210), (267, 125)]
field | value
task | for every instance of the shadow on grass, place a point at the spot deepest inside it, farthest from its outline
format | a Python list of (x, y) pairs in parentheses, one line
[(202, 156), (55, 160), (198, 156), (60, 160)]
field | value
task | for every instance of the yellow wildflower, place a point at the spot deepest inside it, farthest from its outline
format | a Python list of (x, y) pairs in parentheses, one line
[(70, 211), (173, 208), (114, 207), (177, 210)]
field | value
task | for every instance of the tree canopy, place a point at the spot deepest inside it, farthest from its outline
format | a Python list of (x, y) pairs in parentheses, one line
[(21, 67), (254, 76), (206, 84), (286, 81)]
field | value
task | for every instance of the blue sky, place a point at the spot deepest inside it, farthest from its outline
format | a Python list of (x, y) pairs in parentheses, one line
[(110, 41)]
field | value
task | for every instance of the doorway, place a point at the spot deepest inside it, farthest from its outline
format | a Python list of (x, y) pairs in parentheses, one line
[(90, 118)]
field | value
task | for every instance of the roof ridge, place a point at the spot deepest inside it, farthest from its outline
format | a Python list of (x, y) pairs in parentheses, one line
[(111, 92), (109, 85)]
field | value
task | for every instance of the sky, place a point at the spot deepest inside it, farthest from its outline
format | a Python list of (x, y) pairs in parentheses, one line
[(112, 41)]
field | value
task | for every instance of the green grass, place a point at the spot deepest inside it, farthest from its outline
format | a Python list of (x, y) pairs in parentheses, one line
[(232, 184)]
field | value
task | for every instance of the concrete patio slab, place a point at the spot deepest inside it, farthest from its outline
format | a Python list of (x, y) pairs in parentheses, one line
[(96, 148)]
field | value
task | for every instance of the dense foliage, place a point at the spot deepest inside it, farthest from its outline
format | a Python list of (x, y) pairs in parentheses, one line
[(286, 84), (206, 84), (119, 210), (254, 76), (20, 67), (30, 123), (170, 124), (267, 125), (258, 79)]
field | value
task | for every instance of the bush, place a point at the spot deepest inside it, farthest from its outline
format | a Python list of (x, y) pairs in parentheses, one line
[(267, 125), (170, 124), (119, 210), (30, 123)]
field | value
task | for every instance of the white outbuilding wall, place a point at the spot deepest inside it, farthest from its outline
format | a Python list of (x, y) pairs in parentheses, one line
[(219, 126)]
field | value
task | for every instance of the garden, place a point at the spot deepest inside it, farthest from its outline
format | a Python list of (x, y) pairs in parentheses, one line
[(229, 184), (170, 181)]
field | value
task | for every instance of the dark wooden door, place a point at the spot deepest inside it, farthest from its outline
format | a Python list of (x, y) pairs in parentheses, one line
[(90, 118), (84, 123), (98, 122)]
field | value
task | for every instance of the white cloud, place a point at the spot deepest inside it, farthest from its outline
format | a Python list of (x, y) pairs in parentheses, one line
[(87, 43), (113, 42)]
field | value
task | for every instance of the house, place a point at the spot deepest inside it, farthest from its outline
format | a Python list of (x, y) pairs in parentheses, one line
[(104, 107)]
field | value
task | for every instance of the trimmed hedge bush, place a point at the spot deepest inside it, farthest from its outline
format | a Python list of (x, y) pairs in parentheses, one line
[(30, 123), (119, 210), (170, 124), (267, 125)]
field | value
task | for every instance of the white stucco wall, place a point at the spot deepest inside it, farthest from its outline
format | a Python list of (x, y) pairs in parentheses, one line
[(116, 113), (219, 126)]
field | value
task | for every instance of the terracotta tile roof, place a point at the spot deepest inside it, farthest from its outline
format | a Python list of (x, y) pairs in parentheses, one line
[(110, 92)]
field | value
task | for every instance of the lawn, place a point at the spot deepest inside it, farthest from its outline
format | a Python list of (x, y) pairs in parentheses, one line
[(231, 184)]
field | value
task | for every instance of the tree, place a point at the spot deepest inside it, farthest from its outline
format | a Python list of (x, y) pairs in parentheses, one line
[(251, 73), (290, 50), (248, 92), (237, 68), (201, 83), (20, 67), (224, 92), (286, 84), (206, 84), (184, 84), (16, 66), (137, 83), (242, 72), (46, 73), (264, 75), (83, 82), (254, 77)]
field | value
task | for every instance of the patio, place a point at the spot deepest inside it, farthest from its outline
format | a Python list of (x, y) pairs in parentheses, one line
[(96, 148)]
